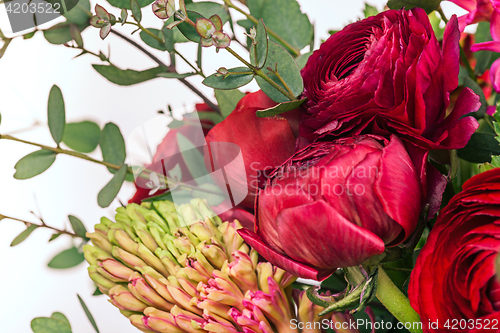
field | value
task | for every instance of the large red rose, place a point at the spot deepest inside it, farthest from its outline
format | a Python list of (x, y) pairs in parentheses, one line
[(454, 279), (389, 74)]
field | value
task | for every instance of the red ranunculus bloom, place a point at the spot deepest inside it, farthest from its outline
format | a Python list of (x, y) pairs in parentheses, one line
[(389, 74), (454, 282), (265, 143), (336, 204)]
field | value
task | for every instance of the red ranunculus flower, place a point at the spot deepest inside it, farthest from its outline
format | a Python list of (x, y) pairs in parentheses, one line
[(389, 74), (454, 282), (336, 204), (264, 143)]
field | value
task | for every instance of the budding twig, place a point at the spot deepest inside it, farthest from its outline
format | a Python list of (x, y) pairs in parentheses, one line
[(43, 225), (144, 174), (260, 73), (295, 51), (161, 63)]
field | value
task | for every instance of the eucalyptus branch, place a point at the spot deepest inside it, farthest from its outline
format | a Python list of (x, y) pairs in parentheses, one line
[(43, 225), (198, 71), (172, 70), (149, 32), (463, 57), (261, 74), (275, 73), (295, 51), (172, 183), (58, 150)]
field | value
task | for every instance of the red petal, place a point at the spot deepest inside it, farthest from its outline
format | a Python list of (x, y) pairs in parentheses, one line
[(318, 235), (284, 262)]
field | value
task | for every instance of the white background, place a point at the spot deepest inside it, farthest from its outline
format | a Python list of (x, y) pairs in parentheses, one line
[(28, 288)]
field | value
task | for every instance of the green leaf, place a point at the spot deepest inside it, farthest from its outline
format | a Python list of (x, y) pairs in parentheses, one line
[(60, 317), (76, 35), (126, 3), (78, 227), (34, 164), (285, 19), (207, 9), (480, 148), (171, 75), (192, 157), (128, 77), (23, 235), (83, 136), (470, 83), (428, 5), (135, 7), (67, 259), (151, 41), (189, 31), (280, 108), (261, 48), (287, 69), (29, 35), (110, 191), (58, 323), (53, 237), (97, 292), (88, 314), (79, 15), (56, 114), (370, 10), (199, 56), (112, 145), (60, 33), (483, 57), (217, 81), (169, 37), (227, 100), (302, 59)]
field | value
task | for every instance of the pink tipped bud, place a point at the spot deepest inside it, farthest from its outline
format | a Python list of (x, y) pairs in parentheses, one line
[(114, 271), (122, 298), (242, 272), (139, 287), (160, 321)]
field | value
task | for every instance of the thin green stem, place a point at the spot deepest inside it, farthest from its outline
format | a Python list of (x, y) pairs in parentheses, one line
[(43, 225), (172, 70), (172, 183), (260, 73), (149, 32), (463, 56), (396, 302), (294, 50), (276, 73), (63, 151), (190, 65), (392, 298)]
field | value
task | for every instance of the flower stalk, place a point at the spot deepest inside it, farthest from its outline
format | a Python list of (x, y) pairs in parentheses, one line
[(391, 297), (295, 51)]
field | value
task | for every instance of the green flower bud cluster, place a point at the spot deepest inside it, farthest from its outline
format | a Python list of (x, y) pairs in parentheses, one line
[(172, 268)]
